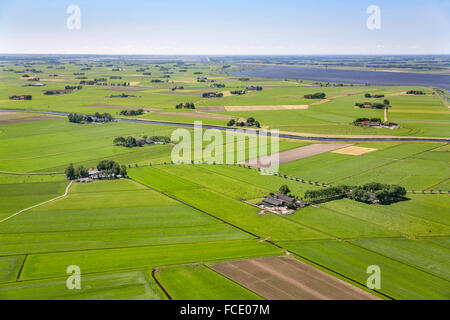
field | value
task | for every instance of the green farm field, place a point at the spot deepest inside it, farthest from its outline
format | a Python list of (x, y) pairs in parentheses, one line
[(154, 233)]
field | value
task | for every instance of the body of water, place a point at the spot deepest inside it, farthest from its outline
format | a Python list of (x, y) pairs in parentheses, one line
[(379, 78)]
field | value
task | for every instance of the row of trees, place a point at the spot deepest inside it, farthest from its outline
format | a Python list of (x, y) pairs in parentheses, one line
[(317, 95), (375, 105), (187, 105), (128, 142), (212, 95), (73, 87), (368, 193), (131, 142), (368, 95), (73, 173), (360, 121), (97, 117), (132, 112), (417, 92), (238, 92)]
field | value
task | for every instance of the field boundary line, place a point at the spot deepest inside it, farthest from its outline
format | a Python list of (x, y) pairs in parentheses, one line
[(154, 271), (21, 268), (39, 204), (31, 173)]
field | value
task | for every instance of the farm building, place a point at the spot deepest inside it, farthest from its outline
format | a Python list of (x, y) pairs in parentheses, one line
[(93, 172), (272, 202)]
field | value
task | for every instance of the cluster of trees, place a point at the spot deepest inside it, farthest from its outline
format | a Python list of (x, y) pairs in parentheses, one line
[(131, 142), (97, 117), (249, 123), (156, 80), (128, 142), (212, 95), (378, 121), (111, 167), (368, 193), (74, 87), (123, 95), (257, 88), (368, 95), (219, 85), (24, 97), (238, 92), (132, 112), (375, 105), (415, 92), (317, 95), (178, 88), (187, 105), (244, 79), (360, 121), (73, 173)]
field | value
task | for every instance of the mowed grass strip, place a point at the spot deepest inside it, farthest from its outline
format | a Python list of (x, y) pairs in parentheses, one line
[(398, 280), (39, 266), (421, 253), (132, 285), (198, 282), (10, 267)]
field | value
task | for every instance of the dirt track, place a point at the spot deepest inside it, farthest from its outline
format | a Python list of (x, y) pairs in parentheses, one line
[(298, 153), (286, 278)]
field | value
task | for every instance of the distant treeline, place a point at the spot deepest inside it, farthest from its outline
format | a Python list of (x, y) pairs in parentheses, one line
[(187, 105), (249, 123), (131, 142), (415, 92), (97, 117), (212, 95), (368, 95), (132, 112), (318, 95)]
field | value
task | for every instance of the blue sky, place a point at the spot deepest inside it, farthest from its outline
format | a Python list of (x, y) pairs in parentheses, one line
[(225, 27)]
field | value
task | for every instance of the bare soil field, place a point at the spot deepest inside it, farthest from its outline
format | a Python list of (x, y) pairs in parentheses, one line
[(129, 88), (211, 108), (286, 278), (354, 151), (298, 153), (27, 119)]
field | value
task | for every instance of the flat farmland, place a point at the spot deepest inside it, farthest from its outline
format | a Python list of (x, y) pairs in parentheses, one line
[(133, 285), (285, 278), (222, 205), (198, 282), (422, 253)]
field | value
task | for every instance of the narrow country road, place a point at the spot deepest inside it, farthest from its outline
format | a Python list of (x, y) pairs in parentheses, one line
[(39, 204)]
